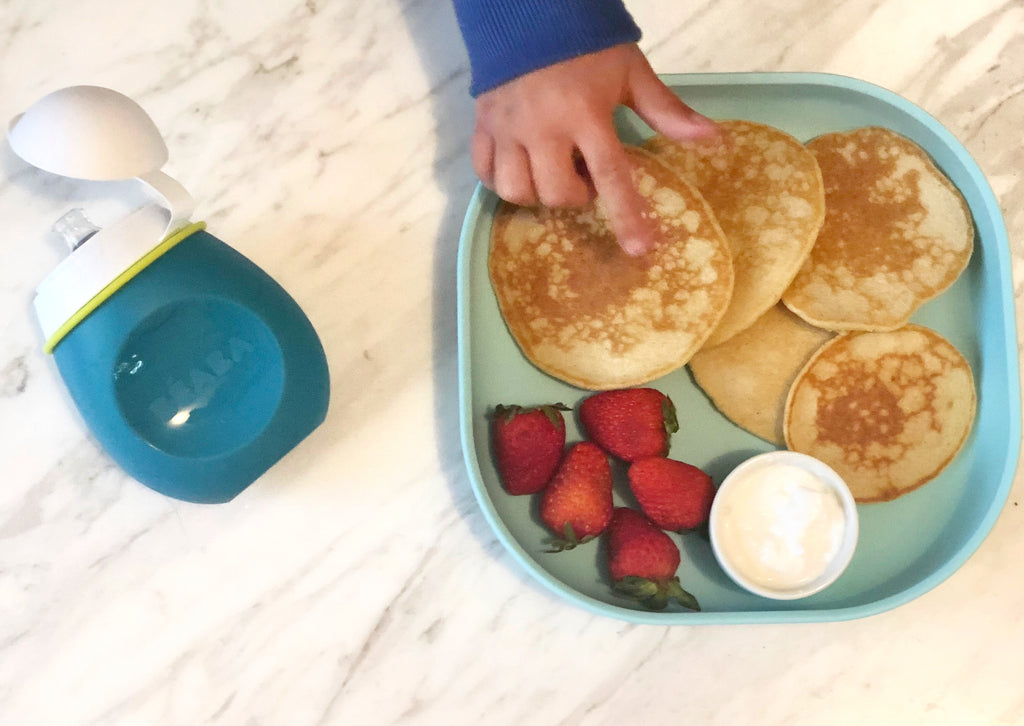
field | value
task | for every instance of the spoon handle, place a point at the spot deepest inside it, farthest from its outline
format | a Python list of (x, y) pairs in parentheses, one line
[(173, 195)]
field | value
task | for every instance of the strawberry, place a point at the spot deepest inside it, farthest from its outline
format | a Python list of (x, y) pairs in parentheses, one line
[(630, 423), (577, 503), (673, 494), (643, 560), (528, 445)]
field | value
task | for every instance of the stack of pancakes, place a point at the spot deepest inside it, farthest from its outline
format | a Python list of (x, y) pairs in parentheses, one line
[(785, 276)]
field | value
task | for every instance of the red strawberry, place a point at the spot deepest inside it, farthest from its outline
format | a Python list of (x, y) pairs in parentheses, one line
[(673, 494), (630, 423), (528, 445), (577, 504), (643, 560)]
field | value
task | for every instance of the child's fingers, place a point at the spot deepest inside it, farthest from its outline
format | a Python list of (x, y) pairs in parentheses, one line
[(481, 152), (513, 181), (555, 177), (663, 111), (612, 174)]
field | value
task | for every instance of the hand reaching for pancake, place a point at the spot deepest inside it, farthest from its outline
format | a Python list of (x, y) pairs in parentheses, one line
[(548, 137)]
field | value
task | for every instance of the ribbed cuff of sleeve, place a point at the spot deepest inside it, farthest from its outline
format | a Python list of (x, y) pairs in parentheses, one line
[(508, 38)]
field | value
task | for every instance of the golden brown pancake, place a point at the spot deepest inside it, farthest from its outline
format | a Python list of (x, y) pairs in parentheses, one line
[(896, 234), (766, 191), (748, 376), (887, 410), (587, 313)]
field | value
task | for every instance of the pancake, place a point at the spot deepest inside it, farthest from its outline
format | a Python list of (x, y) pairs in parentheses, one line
[(587, 313), (887, 410), (749, 376), (766, 192), (897, 233)]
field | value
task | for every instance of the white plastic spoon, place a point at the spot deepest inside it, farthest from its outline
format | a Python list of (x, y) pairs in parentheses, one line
[(98, 134)]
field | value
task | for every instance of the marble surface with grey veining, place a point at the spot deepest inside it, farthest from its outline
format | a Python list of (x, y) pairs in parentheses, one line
[(357, 582)]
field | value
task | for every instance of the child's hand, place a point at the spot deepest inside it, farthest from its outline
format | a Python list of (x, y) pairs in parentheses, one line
[(532, 133)]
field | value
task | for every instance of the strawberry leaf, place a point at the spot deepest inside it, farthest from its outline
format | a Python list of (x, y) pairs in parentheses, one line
[(506, 413), (657, 601), (638, 588), (568, 541), (655, 594), (668, 415), (551, 410), (674, 590)]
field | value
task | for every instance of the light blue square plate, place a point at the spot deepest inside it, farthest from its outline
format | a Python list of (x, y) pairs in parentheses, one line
[(907, 546)]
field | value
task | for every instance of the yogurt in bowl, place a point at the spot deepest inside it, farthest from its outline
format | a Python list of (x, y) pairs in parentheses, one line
[(783, 525)]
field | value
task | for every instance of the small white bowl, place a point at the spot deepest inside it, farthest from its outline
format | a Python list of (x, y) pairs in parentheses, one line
[(783, 525)]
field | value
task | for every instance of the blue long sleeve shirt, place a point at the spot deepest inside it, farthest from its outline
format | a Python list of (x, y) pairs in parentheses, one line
[(508, 38)]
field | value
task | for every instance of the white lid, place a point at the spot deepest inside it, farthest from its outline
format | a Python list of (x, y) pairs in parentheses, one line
[(89, 269)]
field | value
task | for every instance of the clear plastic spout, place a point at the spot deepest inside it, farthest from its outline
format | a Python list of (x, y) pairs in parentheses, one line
[(75, 228)]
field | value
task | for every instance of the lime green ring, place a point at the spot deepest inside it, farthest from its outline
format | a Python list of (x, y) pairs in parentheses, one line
[(120, 281)]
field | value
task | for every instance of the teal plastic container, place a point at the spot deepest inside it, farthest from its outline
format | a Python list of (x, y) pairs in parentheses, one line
[(198, 372), (192, 367)]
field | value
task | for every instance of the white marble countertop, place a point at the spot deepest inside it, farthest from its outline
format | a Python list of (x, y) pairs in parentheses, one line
[(357, 581)]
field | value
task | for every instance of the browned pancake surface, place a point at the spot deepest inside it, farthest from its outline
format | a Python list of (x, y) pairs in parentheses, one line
[(887, 410), (587, 313), (896, 234)]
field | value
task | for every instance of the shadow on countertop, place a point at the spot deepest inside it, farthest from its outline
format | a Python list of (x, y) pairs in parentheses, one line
[(436, 35)]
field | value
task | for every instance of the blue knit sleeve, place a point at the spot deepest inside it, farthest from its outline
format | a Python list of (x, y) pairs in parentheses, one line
[(508, 38)]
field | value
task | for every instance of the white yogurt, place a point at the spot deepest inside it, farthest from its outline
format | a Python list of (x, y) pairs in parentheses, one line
[(781, 525)]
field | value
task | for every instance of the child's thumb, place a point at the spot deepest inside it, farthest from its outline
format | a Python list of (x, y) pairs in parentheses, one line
[(665, 112)]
